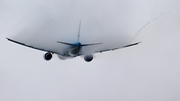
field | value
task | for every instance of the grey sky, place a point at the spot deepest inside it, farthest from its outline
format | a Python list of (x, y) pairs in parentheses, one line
[(147, 72)]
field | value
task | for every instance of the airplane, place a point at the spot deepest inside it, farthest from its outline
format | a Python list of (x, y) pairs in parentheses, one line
[(74, 50)]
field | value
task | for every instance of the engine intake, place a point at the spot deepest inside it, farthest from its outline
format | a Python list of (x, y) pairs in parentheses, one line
[(88, 58), (48, 56)]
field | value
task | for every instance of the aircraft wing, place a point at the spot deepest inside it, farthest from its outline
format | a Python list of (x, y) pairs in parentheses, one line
[(42, 49), (118, 48), (30, 46)]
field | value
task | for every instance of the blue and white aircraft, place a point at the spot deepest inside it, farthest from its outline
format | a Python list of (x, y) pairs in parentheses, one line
[(73, 50)]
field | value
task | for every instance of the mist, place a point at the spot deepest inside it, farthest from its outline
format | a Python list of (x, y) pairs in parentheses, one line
[(149, 71), (57, 20)]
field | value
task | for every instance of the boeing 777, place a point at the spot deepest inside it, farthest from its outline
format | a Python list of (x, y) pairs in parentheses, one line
[(73, 50)]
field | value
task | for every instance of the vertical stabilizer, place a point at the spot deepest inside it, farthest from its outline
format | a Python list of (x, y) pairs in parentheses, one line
[(79, 31)]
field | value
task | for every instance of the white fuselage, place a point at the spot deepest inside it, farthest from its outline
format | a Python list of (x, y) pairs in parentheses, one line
[(73, 52)]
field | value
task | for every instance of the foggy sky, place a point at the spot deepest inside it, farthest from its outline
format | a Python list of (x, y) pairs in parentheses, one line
[(147, 72)]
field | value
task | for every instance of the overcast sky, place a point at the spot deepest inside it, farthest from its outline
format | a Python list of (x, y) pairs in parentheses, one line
[(147, 72)]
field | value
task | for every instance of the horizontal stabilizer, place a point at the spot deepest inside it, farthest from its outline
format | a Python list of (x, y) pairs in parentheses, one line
[(91, 44), (67, 43), (78, 44)]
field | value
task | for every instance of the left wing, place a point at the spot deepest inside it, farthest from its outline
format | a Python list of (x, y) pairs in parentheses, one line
[(30, 46)]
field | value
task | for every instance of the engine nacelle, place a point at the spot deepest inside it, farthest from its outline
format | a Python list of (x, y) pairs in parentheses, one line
[(88, 58), (48, 56), (62, 57)]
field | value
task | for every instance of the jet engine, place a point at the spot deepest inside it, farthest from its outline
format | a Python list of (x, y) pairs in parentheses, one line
[(47, 56), (88, 58), (62, 57)]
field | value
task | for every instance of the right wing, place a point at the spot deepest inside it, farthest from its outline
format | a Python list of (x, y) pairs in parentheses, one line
[(118, 47)]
